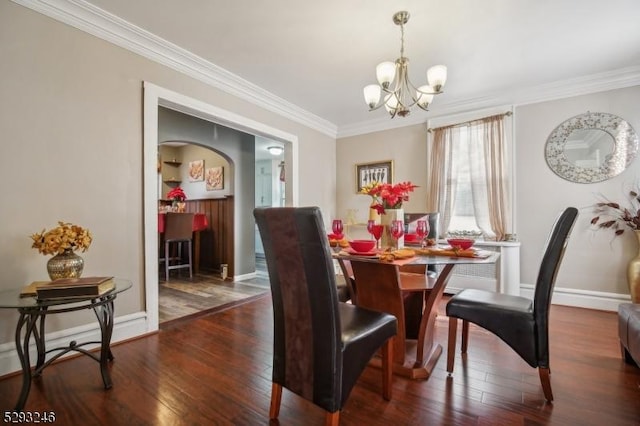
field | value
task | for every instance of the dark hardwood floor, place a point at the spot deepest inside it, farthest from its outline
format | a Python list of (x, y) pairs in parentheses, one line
[(216, 369)]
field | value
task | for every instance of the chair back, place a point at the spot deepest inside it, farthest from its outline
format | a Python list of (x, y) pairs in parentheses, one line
[(307, 336), (551, 260), (434, 222), (178, 226)]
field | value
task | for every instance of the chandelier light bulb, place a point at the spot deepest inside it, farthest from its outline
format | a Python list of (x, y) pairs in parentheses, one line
[(372, 95), (391, 103), (386, 73), (424, 96), (437, 77)]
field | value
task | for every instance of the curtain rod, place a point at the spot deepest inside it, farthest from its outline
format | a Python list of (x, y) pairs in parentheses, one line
[(464, 123)]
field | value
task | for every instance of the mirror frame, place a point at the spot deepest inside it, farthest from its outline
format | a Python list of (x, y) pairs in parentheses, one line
[(624, 151)]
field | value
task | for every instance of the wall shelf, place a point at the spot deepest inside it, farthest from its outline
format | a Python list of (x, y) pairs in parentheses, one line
[(173, 163), (172, 181)]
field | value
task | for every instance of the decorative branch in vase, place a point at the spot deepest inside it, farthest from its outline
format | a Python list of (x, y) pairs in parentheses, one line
[(618, 218)]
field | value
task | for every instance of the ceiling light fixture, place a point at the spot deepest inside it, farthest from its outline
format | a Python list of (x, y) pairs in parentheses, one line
[(399, 98), (275, 150)]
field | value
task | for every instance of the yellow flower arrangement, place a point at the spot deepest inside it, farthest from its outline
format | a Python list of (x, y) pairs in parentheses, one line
[(66, 236)]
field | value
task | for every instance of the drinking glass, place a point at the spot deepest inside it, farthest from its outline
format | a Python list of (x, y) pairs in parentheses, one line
[(422, 229), (370, 224), (337, 228), (397, 230), (376, 231)]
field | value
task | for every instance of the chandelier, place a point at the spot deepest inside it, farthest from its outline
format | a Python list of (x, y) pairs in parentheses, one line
[(395, 91)]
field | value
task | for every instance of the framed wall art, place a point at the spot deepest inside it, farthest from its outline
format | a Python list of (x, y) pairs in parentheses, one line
[(367, 173), (214, 178), (196, 171)]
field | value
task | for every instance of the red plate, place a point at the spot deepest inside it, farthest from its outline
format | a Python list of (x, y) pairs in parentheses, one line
[(360, 253)]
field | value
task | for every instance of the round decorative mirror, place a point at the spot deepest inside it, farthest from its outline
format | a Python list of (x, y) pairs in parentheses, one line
[(591, 147)]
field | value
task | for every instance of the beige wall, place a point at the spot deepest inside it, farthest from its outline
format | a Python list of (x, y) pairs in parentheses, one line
[(71, 121), (595, 262), (407, 148)]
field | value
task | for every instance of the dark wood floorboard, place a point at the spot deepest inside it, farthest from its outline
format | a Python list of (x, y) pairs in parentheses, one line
[(216, 370)]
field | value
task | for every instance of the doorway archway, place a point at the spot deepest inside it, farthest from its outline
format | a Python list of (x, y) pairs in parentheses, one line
[(154, 97)]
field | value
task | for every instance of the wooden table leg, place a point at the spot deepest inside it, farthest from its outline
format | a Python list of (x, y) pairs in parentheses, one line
[(426, 345)]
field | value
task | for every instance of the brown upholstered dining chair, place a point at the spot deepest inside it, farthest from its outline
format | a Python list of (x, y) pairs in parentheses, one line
[(520, 322), (321, 346), (178, 230)]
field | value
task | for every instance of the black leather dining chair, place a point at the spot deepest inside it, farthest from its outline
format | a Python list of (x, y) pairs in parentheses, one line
[(321, 346), (520, 322)]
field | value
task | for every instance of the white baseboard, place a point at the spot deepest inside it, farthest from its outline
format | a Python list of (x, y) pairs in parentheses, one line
[(244, 276), (581, 298), (124, 327), (561, 296)]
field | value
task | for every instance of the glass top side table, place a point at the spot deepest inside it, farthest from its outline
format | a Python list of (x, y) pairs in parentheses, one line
[(31, 323)]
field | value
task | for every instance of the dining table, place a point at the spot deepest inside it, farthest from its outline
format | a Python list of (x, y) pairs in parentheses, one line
[(200, 223), (383, 284)]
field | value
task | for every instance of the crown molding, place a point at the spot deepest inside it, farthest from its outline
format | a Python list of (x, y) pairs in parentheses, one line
[(93, 20), (583, 85)]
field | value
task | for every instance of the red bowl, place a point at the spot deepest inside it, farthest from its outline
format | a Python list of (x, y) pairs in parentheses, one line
[(462, 243), (362, 246), (409, 238)]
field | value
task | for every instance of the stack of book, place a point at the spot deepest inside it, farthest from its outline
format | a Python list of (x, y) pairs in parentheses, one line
[(70, 288)]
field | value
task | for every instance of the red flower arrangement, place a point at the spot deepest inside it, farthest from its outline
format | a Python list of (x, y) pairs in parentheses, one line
[(390, 196), (176, 194)]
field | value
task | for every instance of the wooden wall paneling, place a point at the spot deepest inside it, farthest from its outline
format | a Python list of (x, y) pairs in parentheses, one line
[(216, 243)]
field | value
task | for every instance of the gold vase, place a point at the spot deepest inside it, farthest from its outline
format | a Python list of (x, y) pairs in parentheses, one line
[(373, 213), (386, 220), (65, 265), (633, 274)]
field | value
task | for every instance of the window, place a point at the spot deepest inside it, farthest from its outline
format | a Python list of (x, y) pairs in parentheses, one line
[(462, 217), (469, 180)]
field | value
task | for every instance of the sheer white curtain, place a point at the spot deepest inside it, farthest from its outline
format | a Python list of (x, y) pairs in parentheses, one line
[(478, 146)]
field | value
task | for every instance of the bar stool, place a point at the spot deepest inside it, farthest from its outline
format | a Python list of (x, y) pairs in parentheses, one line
[(178, 230)]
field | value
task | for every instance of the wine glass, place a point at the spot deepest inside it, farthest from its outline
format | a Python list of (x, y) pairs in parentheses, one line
[(422, 229), (376, 231), (370, 224), (337, 228), (397, 230)]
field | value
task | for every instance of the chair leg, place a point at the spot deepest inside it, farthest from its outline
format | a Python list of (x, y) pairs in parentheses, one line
[(276, 397), (387, 369), (332, 419), (465, 336), (190, 260), (451, 346), (546, 383), (167, 256)]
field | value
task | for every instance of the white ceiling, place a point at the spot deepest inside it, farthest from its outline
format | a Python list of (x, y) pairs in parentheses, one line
[(319, 55)]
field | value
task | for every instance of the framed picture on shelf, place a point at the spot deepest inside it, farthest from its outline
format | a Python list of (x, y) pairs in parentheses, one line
[(367, 173), (215, 178), (196, 171)]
